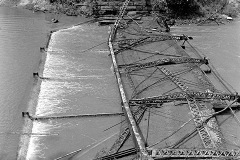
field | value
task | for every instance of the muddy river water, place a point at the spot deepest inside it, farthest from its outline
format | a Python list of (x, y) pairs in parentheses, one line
[(79, 80)]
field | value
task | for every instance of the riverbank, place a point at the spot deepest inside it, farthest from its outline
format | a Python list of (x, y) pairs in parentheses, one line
[(226, 48), (85, 8)]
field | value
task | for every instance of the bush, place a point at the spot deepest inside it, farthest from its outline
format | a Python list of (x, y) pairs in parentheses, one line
[(231, 10), (183, 8)]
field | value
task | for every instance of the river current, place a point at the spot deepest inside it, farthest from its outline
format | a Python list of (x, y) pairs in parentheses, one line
[(76, 82)]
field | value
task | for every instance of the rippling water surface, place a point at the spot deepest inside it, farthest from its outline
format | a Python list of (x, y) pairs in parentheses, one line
[(76, 82), (221, 45), (21, 35)]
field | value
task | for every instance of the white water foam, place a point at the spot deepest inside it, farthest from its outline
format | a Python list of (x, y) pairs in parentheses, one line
[(67, 77), (35, 147), (50, 101), (30, 148)]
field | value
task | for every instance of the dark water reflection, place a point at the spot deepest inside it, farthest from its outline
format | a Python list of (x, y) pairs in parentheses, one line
[(221, 45), (22, 32), (21, 35)]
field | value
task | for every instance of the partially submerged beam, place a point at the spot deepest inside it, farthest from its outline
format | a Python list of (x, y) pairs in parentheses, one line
[(139, 140), (182, 96), (129, 116), (210, 134), (118, 155), (26, 114), (194, 153), (126, 132), (163, 61)]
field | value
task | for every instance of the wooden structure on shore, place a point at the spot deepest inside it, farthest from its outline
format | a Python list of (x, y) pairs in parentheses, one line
[(159, 80)]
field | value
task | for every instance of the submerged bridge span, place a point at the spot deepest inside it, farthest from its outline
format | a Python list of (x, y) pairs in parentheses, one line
[(199, 101)]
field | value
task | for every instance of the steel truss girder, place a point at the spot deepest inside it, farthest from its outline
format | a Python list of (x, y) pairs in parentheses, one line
[(164, 61), (194, 153), (126, 132), (134, 42), (182, 96), (210, 133), (118, 155), (130, 43)]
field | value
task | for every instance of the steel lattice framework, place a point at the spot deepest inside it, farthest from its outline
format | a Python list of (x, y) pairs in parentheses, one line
[(182, 96), (130, 43), (206, 124), (194, 153), (211, 138), (163, 61), (126, 132)]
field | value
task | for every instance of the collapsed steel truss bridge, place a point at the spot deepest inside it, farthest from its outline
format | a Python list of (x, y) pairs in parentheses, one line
[(198, 102)]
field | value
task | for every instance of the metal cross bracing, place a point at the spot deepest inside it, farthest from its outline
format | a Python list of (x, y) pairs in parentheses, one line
[(130, 43), (194, 153), (126, 132), (209, 133), (136, 133), (211, 138), (163, 61), (158, 37), (120, 16), (167, 153), (119, 154), (183, 96)]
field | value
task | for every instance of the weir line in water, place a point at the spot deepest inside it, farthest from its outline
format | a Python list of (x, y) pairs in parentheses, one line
[(26, 114), (52, 98), (28, 125)]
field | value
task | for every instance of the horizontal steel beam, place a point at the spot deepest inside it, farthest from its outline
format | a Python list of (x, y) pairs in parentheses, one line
[(182, 96), (194, 153), (118, 155), (163, 61)]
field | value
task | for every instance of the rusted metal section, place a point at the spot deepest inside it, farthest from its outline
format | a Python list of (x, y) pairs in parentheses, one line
[(194, 153), (140, 144), (210, 134), (182, 96), (126, 132), (118, 155), (141, 75), (132, 123), (164, 61)]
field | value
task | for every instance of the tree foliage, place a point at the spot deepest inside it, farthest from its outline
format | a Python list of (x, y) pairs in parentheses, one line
[(183, 8)]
